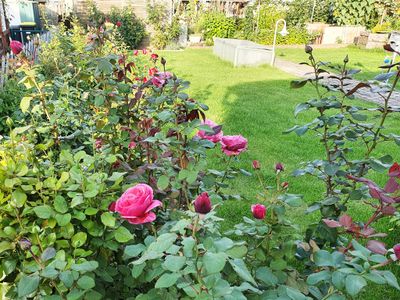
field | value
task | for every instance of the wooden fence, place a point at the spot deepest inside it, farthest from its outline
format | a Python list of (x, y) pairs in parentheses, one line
[(30, 49)]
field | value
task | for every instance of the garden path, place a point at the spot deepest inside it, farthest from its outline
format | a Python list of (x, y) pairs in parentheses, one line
[(362, 93)]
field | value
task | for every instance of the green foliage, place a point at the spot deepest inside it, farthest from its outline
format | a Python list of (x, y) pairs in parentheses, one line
[(296, 36), (166, 32), (299, 12), (359, 12), (132, 29), (216, 24), (10, 96)]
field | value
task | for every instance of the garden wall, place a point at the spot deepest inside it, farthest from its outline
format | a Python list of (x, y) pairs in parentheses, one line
[(336, 34)]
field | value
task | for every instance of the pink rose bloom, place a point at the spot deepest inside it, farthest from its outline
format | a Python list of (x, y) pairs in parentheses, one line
[(136, 52), (160, 78), (132, 145), (136, 203), (202, 204), (144, 51), (233, 144), (119, 23), (256, 165), (258, 211), (215, 138), (16, 47)]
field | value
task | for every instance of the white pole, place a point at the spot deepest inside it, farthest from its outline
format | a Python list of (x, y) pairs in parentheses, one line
[(273, 45), (313, 11)]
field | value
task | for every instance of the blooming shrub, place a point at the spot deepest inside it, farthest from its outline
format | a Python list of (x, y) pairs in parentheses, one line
[(105, 193)]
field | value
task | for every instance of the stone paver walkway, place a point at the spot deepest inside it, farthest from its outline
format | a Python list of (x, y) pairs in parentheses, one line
[(305, 71)]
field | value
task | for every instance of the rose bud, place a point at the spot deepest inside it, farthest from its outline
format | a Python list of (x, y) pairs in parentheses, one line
[(16, 47), (256, 165), (202, 204), (136, 52), (119, 23), (131, 145), (346, 59), (285, 185), (98, 143), (308, 49), (154, 56), (111, 207), (396, 249), (25, 244), (144, 51), (258, 211), (279, 167), (163, 61)]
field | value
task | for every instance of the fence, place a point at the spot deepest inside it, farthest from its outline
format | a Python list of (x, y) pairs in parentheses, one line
[(30, 49)]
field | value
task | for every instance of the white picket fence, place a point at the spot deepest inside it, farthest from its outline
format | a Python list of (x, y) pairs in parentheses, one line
[(29, 49)]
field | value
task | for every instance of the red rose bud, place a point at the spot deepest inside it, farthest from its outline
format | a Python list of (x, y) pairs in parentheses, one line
[(119, 23), (279, 167), (394, 170), (285, 185), (136, 52), (202, 204), (111, 207), (258, 211), (144, 51), (256, 165), (16, 47), (131, 145), (25, 244), (98, 143), (153, 71), (396, 249), (154, 56)]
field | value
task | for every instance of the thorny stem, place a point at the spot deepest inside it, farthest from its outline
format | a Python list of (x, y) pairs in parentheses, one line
[(225, 174)]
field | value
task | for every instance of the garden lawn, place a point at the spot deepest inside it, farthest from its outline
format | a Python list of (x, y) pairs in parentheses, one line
[(258, 104), (368, 60)]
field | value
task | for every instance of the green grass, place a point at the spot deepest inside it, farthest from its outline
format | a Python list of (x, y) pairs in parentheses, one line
[(258, 103), (368, 60)]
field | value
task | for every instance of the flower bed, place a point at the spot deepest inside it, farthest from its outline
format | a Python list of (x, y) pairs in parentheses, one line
[(106, 193)]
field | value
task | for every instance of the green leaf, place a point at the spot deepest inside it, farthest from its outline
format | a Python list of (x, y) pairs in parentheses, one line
[(78, 239), (375, 277), (27, 285), (86, 282), (237, 251), (134, 250), (323, 258), (123, 235), (86, 266), (301, 107), (4, 246), (18, 197), (278, 264), (315, 278), (25, 103), (108, 219), (391, 279), (214, 262), (63, 220), (167, 280), (240, 268), (47, 254), (60, 205), (43, 211), (354, 284), (163, 182), (174, 263), (267, 276), (67, 278)]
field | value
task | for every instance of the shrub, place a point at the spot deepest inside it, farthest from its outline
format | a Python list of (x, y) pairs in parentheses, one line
[(131, 28), (165, 32), (296, 36), (299, 12), (357, 12), (216, 24), (10, 97)]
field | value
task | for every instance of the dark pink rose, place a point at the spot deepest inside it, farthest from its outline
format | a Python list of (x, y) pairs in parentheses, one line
[(279, 167), (119, 23), (154, 56), (144, 51), (285, 185), (136, 52), (258, 211), (160, 78), (256, 165), (153, 71), (216, 137), (136, 203), (202, 204), (396, 249), (233, 144), (16, 47)]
